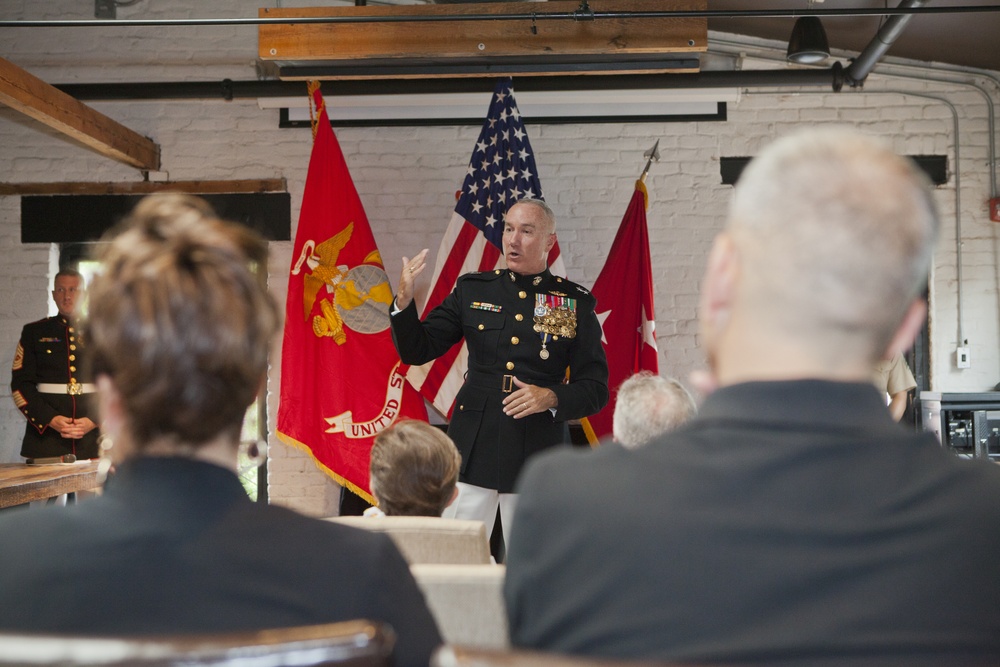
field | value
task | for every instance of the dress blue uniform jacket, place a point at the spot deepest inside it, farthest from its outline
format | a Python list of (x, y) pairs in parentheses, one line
[(51, 351), (494, 312)]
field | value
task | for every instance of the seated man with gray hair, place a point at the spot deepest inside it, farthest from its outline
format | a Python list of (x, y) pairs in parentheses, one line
[(793, 522), (649, 405)]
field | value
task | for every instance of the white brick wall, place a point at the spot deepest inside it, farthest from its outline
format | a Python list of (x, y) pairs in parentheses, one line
[(407, 178)]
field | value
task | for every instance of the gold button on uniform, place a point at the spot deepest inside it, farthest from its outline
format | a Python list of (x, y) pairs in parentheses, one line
[(510, 365), (482, 326), (461, 407), (72, 369), (523, 294), (519, 317), (72, 347), (72, 357), (515, 340)]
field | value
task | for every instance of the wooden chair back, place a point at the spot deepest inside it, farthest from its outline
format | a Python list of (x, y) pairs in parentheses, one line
[(349, 644)]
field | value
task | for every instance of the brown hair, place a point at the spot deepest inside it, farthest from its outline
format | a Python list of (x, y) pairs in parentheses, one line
[(180, 322), (67, 273), (414, 468)]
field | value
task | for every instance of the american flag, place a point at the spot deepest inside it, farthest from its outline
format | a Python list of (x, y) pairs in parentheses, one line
[(501, 171)]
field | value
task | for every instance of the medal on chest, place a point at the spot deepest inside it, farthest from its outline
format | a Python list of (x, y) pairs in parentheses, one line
[(555, 316)]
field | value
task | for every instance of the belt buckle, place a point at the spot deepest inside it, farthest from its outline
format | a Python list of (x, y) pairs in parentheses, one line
[(508, 384), (74, 388)]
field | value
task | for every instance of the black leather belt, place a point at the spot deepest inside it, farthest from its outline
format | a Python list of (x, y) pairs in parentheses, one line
[(504, 383)]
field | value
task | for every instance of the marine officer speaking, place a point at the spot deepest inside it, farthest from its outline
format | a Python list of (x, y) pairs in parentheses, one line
[(49, 384), (524, 329)]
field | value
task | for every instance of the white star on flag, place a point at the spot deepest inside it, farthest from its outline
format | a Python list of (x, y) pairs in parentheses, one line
[(601, 317)]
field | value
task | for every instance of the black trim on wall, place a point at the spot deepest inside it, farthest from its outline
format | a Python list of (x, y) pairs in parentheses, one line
[(935, 166), (85, 218)]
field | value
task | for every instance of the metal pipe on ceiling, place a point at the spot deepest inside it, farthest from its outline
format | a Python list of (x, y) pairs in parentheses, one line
[(880, 44), (230, 90), (578, 15)]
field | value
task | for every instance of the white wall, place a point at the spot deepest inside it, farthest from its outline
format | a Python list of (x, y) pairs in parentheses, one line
[(407, 178)]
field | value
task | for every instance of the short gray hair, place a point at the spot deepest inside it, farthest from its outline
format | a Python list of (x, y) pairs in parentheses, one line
[(547, 213), (649, 405), (835, 234)]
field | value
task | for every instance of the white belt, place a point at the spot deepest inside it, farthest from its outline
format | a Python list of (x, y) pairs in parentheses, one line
[(71, 388)]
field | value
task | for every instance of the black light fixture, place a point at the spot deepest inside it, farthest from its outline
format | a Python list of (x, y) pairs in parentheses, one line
[(808, 43)]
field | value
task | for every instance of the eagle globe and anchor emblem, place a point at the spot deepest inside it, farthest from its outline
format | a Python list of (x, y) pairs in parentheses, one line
[(357, 298)]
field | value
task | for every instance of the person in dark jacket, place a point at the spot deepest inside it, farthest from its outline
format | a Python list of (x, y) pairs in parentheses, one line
[(180, 329), (792, 521)]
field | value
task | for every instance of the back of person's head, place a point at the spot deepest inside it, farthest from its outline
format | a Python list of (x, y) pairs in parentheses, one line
[(414, 468), (835, 235), (648, 405), (179, 322)]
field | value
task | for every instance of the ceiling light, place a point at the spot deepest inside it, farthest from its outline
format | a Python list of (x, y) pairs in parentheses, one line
[(808, 43)]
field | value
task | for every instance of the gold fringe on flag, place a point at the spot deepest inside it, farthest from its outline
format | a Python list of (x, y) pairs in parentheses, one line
[(641, 186)]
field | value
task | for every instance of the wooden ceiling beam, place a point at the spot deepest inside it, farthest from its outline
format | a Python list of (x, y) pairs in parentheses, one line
[(146, 187), (26, 93), (388, 35)]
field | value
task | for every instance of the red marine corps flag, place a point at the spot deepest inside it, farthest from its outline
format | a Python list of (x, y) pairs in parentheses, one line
[(341, 379), (624, 292)]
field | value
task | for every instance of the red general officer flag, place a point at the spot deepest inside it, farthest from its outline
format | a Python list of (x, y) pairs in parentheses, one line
[(341, 379), (624, 292)]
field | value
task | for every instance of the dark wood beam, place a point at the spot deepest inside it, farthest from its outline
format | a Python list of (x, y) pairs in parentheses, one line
[(31, 96), (145, 187)]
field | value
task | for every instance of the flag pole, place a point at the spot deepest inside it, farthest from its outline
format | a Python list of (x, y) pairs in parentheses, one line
[(624, 293), (654, 155)]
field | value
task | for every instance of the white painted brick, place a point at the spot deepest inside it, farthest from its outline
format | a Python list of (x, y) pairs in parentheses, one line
[(407, 176)]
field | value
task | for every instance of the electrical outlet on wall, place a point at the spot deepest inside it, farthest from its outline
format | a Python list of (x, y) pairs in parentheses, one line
[(962, 359)]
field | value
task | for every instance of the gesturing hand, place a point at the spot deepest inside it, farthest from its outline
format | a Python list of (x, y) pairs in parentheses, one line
[(411, 269)]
